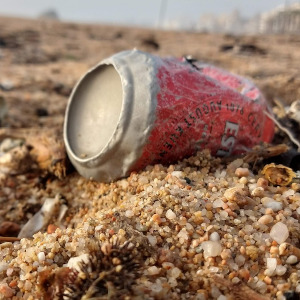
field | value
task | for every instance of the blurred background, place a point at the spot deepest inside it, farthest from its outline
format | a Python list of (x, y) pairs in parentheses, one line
[(46, 46), (218, 16)]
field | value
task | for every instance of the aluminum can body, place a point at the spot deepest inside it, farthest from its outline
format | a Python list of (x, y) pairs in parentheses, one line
[(135, 109)]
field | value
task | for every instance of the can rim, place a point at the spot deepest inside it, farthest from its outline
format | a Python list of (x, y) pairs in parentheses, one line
[(138, 102)]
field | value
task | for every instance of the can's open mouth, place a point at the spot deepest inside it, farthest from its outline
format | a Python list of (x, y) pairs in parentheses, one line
[(94, 111)]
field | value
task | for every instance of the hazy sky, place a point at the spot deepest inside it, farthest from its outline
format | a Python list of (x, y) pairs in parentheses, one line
[(142, 12)]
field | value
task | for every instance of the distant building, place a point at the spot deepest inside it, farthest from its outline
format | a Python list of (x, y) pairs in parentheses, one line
[(50, 14), (284, 19), (225, 23)]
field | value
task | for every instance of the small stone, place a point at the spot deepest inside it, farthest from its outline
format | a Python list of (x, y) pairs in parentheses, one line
[(175, 272), (271, 264), (6, 85), (28, 285), (156, 287), (292, 259), (41, 256), (276, 206), (252, 252), (214, 236), (143, 180), (215, 292), (170, 214), (129, 213), (177, 174), (268, 280), (262, 182), (236, 195), (242, 172), (235, 280), (226, 253), (153, 270), (274, 250), (3, 266), (283, 248), (280, 270), (266, 219), (152, 239), (257, 192), (51, 228), (75, 262), (223, 215), (182, 234), (156, 218), (244, 274), (211, 248), (279, 232), (218, 203), (6, 291), (240, 260)]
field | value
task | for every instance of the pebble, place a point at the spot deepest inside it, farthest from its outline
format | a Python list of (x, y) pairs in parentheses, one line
[(211, 248), (190, 227), (152, 239), (129, 213), (51, 228), (177, 174), (174, 273), (241, 172), (232, 193), (266, 219), (271, 264), (3, 266), (240, 260), (292, 259), (74, 262), (276, 206), (218, 203), (244, 274), (262, 182), (257, 192), (226, 253), (153, 270), (41, 256), (170, 214), (279, 232), (214, 236), (6, 291), (282, 248), (252, 252), (280, 270)]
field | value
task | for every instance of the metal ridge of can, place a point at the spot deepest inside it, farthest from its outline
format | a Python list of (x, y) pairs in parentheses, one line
[(134, 109)]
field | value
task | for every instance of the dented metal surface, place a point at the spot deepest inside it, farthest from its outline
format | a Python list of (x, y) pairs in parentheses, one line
[(167, 109)]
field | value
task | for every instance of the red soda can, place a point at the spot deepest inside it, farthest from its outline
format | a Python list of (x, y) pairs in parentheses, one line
[(135, 109)]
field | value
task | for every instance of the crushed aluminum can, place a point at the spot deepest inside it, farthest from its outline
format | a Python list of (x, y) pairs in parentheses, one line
[(135, 109)]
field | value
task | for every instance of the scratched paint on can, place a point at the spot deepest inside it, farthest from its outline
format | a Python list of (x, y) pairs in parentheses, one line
[(204, 107)]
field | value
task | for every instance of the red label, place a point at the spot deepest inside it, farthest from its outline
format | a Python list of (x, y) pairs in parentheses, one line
[(204, 107)]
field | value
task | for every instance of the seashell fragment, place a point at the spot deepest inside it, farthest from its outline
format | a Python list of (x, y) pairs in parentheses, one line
[(278, 174), (41, 218)]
